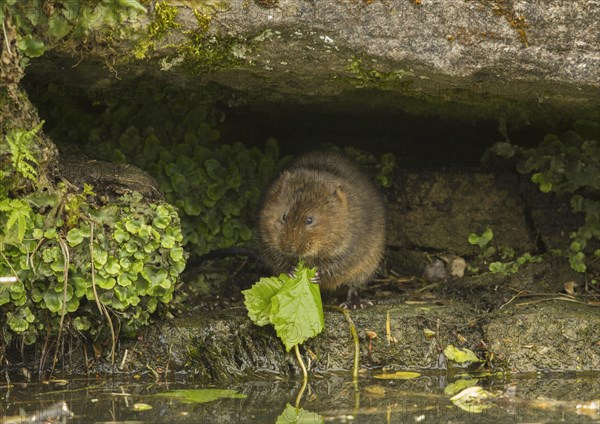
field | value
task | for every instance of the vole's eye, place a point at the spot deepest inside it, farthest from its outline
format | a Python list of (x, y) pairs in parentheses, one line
[(284, 217), (309, 220)]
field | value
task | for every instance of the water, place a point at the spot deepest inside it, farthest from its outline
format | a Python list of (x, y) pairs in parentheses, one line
[(331, 398)]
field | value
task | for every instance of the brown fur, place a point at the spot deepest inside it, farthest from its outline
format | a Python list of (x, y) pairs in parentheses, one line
[(344, 240)]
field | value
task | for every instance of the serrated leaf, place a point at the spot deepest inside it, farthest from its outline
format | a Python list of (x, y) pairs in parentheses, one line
[(258, 299), (293, 415), (297, 310)]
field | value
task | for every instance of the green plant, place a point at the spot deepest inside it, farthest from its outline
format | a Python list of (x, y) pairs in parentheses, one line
[(483, 241), (570, 163), (19, 146), (215, 186), (41, 26), (85, 265), (384, 165), (370, 75), (292, 304), (508, 264)]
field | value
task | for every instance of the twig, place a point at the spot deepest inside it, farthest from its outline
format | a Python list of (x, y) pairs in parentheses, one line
[(356, 344), (10, 266), (103, 310), (65, 251), (6, 38)]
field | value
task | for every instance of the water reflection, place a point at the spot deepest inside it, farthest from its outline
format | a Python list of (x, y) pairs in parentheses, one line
[(330, 398)]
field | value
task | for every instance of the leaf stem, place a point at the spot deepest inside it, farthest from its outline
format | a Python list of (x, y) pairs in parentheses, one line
[(301, 392), (301, 362), (356, 344)]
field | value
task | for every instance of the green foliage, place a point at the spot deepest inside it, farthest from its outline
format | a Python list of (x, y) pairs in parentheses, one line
[(508, 265), (292, 304), (295, 415), (20, 145), (385, 169), (384, 165), (463, 357), (216, 187), (570, 163), (128, 253), (164, 20), (366, 75), (203, 51), (483, 242), (41, 25), (18, 220)]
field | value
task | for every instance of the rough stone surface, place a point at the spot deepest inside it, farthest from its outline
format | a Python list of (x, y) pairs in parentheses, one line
[(489, 48), (437, 210), (541, 336)]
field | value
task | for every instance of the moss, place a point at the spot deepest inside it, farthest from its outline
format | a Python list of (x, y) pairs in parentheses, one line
[(164, 21), (200, 51), (505, 8), (373, 75), (162, 25), (203, 51)]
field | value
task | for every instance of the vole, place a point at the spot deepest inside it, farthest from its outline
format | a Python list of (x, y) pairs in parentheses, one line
[(324, 210)]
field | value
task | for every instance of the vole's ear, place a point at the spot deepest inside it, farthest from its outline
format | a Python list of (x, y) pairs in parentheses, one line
[(340, 196)]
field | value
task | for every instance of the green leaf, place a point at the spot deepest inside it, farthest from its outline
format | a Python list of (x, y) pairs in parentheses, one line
[(100, 256), (19, 321), (50, 233), (163, 217), (58, 26), (293, 415), (30, 46), (134, 4), (297, 310), (106, 283), (216, 191), (176, 254), (258, 299), (124, 280), (487, 235), (398, 375), (19, 215), (74, 237), (496, 267), (112, 266), (53, 300), (460, 356), (167, 242), (577, 262), (201, 395), (121, 236), (82, 323), (546, 187)]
